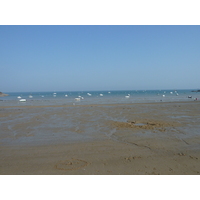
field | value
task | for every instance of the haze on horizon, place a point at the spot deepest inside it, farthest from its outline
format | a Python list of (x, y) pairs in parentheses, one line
[(86, 58)]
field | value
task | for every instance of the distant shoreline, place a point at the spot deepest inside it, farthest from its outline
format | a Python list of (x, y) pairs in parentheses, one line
[(3, 95)]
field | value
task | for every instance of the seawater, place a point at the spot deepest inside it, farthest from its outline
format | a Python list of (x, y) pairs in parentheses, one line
[(97, 97)]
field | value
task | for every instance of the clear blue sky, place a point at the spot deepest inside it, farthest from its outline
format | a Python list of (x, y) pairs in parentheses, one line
[(75, 58)]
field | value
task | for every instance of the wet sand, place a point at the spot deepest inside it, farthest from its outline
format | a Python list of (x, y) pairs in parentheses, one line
[(127, 139)]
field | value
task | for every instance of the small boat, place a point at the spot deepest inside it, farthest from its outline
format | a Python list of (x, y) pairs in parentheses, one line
[(22, 100), (77, 99)]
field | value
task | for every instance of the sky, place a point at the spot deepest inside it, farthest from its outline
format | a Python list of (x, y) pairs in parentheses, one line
[(87, 58)]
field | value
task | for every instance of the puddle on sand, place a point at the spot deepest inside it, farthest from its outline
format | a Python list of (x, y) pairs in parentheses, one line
[(180, 116), (139, 124)]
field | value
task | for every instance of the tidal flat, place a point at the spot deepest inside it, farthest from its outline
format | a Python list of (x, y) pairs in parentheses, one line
[(161, 138)]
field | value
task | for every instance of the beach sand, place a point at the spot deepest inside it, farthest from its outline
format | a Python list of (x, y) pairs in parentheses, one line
[(121, 139)]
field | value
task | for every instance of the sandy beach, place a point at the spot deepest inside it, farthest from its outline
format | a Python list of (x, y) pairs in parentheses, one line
[(119, 139)]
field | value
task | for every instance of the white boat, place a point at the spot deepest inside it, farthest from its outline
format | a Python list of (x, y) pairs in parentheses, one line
[(128, 96), (22, 100), (77, 99)]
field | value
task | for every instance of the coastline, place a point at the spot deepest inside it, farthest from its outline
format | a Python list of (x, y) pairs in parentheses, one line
[(3, 95), (137, 138)]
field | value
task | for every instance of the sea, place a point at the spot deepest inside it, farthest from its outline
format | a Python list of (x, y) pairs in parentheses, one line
[(59, 98)]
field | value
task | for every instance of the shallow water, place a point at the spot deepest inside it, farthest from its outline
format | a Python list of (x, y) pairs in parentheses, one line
[(54, 125)]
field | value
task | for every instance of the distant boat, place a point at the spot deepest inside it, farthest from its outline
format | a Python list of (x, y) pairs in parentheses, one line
[(30, 96), (22, 100), (19, 97)]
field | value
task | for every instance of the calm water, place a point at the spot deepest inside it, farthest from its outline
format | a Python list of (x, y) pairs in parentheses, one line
[(98, 97)]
